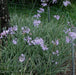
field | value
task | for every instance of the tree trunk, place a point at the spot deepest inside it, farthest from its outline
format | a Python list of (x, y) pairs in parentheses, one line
[(4, 16)]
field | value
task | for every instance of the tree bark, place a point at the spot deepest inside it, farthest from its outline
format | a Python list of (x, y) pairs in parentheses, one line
[(4, 16)]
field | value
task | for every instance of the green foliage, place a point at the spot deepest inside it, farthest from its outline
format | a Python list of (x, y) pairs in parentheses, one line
[(37, 61)]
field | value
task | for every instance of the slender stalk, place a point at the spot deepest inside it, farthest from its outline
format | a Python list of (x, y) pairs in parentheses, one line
[(48, 13), (73, 58)]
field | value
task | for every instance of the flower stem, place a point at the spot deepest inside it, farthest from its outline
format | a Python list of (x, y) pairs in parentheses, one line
[(73, 58)]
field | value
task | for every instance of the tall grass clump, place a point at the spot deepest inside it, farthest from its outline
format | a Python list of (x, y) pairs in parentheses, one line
[(32, 46), (36, 60)]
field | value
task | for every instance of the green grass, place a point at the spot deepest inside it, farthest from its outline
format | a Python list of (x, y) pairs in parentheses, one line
[(37, 61)]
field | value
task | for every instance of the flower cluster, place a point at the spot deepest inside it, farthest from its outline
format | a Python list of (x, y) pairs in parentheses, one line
[(39, 41), (4, 33), (67, 30), (65, 3), (25, 30), (10, 30), (13, 29), (56, 53), (37, 16), (37, 22), (36, 41), (71, 34), (56, 42), (28, 39)]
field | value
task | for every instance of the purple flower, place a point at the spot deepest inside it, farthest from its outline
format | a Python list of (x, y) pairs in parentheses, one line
[(68, 23), (41, 9), (22, 28), (54, 1), (53, 42), (36, 22), (33, 42), (67, 30), (22, 58), (37, 16), (28, 39), (44, 4), (56, 42), (14, 41), (57, 17), (53, 53), (67, 39), (25, 39), (11, 31), (44, 47), (1, 36), (39, 41), (3, 33), (15, 28), (57, 51), (25, 30), (56, 63), (72, 35), (66, 3), (44, 0)]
